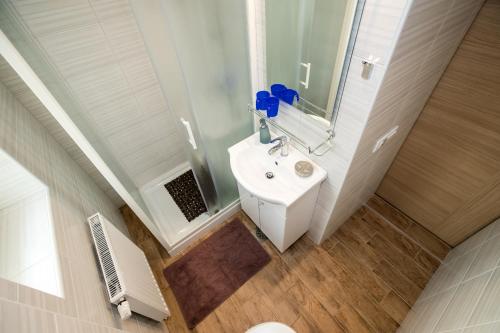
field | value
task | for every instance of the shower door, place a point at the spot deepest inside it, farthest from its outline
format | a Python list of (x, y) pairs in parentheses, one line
[(200, 53), (210, 41)]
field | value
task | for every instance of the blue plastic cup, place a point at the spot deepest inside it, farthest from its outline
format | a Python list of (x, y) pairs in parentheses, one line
[(273, 104), (261, 99), (277, 89), (289, 95)]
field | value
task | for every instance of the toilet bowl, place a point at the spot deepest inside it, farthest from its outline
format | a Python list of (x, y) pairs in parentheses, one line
[(270, 327)]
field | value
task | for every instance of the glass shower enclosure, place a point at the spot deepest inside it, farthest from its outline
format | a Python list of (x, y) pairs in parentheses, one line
[(211, 43), (200, 53)]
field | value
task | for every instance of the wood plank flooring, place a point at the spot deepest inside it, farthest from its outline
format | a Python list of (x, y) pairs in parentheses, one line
[(364, 278)]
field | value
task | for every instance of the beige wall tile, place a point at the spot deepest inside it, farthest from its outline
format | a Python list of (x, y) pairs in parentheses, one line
[(421, 52), (8, 290), (17, 318), (74, 196)]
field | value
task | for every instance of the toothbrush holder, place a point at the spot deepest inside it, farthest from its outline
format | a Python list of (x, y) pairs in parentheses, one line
[(289, 95), (261, 100), (273, 104), (277, 89)]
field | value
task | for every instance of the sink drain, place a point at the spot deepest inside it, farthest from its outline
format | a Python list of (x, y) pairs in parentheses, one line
[(269, 175)]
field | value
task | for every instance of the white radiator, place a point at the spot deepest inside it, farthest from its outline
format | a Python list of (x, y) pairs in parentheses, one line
[(126, 271)]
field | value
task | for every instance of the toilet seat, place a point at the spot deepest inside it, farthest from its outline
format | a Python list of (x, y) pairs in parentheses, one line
[(270, 327)]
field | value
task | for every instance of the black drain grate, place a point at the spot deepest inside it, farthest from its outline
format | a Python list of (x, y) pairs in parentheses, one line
[(186, 194)]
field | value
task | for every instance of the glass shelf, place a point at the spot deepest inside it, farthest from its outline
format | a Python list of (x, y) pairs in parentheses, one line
[(315, 138)]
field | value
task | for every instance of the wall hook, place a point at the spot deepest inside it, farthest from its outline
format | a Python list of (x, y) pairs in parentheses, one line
[(368, 64)]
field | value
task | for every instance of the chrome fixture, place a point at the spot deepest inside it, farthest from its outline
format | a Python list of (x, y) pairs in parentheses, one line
[(317, 148), (282, 144)]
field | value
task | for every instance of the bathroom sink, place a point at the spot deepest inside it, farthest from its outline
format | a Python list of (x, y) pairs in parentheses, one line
[(271, 177)]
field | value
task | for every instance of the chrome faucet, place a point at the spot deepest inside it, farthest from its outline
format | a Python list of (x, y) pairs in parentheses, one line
[(282, 144)]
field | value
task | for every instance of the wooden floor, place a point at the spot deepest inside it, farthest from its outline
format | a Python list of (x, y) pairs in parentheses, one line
[(364, 278)]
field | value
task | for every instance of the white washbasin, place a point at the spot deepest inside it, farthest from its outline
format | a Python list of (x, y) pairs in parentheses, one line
[(250, 161)]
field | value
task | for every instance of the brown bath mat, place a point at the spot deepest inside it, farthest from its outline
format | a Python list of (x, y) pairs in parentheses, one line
[(187, 196), (208, 274)]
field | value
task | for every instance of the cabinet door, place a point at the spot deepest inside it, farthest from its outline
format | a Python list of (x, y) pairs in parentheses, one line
[(272, 222), (249, 204)]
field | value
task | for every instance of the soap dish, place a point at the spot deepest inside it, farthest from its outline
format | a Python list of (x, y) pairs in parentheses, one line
[(304, 168)]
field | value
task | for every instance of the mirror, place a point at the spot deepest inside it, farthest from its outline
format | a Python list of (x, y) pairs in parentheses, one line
[(28, 254), (306, 45)]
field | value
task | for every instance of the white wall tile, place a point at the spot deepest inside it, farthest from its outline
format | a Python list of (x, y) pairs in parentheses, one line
[(492, 230), (414, 316), (460, 307), (377, 30), (455, 270), (485, 328), (487, 259), (472, 269), (431, 313), (472, 242), (488, 309)]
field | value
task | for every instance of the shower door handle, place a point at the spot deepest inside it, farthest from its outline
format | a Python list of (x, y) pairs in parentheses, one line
[(189, 131), (308, 73)]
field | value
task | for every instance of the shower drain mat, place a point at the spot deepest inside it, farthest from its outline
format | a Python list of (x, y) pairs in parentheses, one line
[(187, 196)]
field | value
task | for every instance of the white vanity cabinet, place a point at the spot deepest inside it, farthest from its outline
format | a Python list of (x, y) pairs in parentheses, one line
[(282, 225), (249, 204), (278, 201)]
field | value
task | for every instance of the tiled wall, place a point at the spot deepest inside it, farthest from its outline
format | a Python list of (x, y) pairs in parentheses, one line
[(428, 38), (463, 296), (28, 99), (97, 52), (73, 196)]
